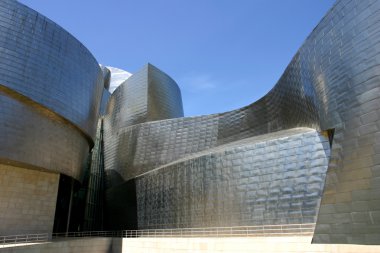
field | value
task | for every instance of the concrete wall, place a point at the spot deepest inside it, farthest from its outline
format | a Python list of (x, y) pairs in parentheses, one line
[(292, 244), (27, 200)]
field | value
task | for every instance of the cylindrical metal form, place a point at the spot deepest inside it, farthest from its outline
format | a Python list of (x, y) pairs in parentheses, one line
[(50, 92)]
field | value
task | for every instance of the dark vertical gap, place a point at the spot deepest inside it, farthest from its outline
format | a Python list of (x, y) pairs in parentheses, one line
[(70, 205), (121, 207), (62, 205), (94, 194), (330, 134)]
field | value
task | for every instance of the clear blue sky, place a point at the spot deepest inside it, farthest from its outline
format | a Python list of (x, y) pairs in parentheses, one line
[(224, 54)]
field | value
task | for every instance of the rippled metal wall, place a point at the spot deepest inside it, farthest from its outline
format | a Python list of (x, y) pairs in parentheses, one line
[(147, 95), (50, 91), (273, 179), (341, 59), (331, 83)]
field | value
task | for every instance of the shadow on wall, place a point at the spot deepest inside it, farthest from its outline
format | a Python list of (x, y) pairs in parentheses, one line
[(122, 213)]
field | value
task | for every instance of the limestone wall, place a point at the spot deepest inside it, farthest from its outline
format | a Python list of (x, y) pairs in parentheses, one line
[(27, 200)]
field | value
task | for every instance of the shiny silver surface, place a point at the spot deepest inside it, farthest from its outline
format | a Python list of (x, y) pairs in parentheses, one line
[(50, 91), (332, 83), (263, 164), (117, 77), (148, 95), (271, 180)]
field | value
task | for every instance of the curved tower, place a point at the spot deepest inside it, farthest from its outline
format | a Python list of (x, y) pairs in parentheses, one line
[(50, 91)]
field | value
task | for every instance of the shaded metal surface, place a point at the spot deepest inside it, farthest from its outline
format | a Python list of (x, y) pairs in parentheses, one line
[(103, 104), (94, 204), (331, 83), (106, 77), (50, 91), (30, 138)]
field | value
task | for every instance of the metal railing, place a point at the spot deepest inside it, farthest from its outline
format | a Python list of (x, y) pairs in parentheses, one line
[(90, 234), (242, 231), (26, 238)]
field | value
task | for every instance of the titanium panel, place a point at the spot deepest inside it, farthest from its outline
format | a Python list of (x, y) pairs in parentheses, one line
[(331, 83), (128, 104), (164, 96), (30, 138), (118, 76), (40, 60), (148, 95), (140, 148), (50, 92), (274, 179)]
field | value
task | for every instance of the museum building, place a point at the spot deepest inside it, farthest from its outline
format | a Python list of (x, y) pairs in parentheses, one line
[(90, 147)]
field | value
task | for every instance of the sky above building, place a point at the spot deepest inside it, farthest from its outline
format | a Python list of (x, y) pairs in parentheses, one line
[(223, 54)]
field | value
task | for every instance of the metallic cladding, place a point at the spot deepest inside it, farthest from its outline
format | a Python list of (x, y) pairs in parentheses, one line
[(43, 62), (50, 92), (148, 95), (31, 139), (164, 96), (277, 179), (331, 83), (259, 164), (137, 149)]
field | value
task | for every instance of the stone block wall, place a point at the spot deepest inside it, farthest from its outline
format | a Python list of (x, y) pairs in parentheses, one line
[(27, 200)]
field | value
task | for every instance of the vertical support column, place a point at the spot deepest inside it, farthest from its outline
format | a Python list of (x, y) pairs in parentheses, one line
[(70, 206)]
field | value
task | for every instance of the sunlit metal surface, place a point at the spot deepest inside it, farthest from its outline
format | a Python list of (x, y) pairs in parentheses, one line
[(148, 95), (117, 77), (273, 180), (50, 91), (331, 84), (263, 164)]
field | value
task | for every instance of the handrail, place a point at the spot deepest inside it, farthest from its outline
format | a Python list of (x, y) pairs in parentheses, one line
[(23, 238), (263, 230), (238, 231)]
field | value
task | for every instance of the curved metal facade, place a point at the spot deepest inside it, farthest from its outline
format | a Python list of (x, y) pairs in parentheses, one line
[(275, 161), (272, 179), (50, 92), (331, 84), (148, 95)]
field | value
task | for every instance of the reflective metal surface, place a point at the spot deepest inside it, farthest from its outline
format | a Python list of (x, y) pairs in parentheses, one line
[(331, 84), (262, 164), (148, 95), (50, 91), (117, 77), (270, 180)]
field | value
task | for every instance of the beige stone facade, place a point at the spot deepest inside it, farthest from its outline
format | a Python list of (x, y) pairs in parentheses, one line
[(27, 200)]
